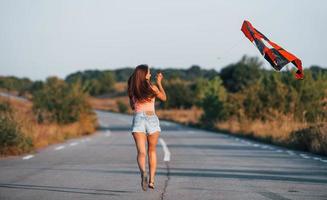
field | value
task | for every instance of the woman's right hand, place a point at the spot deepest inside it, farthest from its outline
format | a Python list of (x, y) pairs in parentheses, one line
[(159, 78)]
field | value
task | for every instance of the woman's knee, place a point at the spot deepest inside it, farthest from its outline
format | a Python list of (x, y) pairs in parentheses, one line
[(152, 149), (141, 154)]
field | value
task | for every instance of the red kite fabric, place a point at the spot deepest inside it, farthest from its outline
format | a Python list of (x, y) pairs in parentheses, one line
[(276, 56)]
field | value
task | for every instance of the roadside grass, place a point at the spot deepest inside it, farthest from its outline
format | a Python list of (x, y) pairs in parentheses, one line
[(40, 135)]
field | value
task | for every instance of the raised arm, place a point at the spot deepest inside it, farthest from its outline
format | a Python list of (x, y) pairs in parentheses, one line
[(161, 94)]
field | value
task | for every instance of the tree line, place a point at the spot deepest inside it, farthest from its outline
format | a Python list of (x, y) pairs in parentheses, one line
[(243, 89)]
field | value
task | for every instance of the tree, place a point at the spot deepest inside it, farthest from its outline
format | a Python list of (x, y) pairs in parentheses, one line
[(179, 94), (94, 81), (237, 77), (213, 102)]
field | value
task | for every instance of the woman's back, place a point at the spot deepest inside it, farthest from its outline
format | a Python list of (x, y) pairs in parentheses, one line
[(144, 106)]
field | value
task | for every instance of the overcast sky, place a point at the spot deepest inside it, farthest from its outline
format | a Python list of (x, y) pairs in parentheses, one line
[(39, 38)]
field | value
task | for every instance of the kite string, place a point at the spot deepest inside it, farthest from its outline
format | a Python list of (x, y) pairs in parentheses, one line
[(229, 51)]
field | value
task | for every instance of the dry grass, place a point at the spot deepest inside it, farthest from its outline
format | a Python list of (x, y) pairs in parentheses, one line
[(108, 104), (46, 134), (121, 87), (43, 135), (9, 91), (277, 130), (184, 116), (283, 131)]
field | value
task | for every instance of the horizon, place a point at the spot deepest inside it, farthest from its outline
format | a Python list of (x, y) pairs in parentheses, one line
[(151, 67)]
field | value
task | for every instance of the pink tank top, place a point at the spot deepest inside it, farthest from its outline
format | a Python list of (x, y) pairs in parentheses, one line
[(146, 106)]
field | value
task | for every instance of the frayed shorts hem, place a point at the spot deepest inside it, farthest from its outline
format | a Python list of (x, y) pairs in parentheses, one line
[(146, 133)]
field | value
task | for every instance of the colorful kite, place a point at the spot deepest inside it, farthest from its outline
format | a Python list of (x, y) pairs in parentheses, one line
[(276, 55)]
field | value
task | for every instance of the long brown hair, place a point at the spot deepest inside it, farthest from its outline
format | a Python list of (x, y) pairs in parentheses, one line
[(139, 89)]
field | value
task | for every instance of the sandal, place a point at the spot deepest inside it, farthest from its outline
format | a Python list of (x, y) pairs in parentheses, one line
[(151, 185), (144, 181)]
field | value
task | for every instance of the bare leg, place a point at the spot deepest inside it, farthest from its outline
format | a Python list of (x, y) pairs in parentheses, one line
[(152, 143), (140, 140)]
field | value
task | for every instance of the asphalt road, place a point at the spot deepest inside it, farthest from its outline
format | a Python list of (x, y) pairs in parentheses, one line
[(192, 164)]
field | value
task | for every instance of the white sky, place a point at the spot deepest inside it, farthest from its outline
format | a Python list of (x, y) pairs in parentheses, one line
[(39, 38)]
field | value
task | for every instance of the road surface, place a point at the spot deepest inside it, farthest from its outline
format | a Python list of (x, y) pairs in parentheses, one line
[(192, 164)]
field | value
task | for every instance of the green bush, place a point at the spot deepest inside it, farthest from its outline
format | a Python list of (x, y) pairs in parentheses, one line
[(239, 76), (122, 107), (313, 139), (280, 93), (179, 94), (12, 83), (213, 101), (60, 102), (11, 136), (252, 105), (311, 94)]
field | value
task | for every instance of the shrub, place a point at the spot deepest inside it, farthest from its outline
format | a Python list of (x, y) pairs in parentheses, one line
[(122, 107), (60, 102), (313, 139), (179, 94), (12, 139), (213, 102), (238, 76)]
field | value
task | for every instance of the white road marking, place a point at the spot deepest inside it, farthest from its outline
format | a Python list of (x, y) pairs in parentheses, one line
[(73, 143), (107, 133), (304, 156), (60, 147), (28, 157), (290, 153), (165, 149), (320, 159)]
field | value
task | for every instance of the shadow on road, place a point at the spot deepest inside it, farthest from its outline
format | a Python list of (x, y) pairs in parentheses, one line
[(64, 189), (267, 175)]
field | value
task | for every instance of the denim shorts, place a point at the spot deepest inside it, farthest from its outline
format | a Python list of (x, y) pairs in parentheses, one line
[(145, 123)]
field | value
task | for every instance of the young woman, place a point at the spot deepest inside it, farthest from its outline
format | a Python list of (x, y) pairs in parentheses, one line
[(145, 126)]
